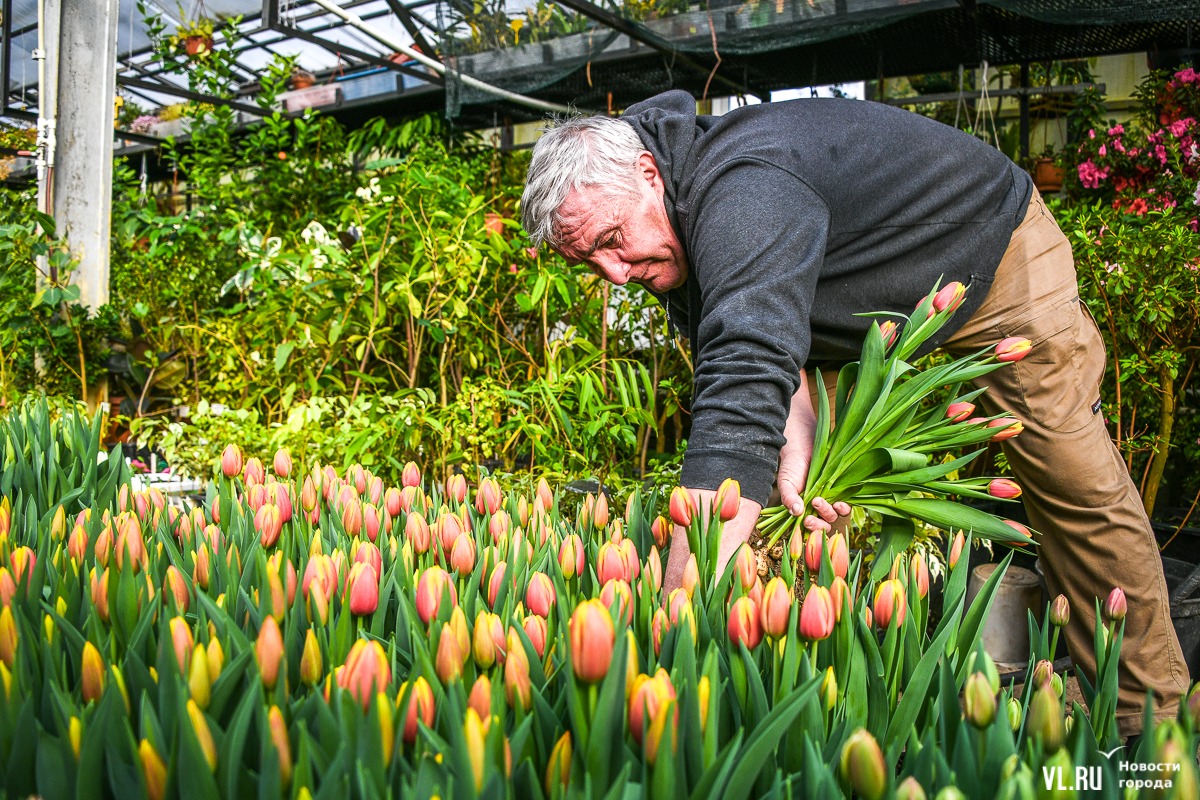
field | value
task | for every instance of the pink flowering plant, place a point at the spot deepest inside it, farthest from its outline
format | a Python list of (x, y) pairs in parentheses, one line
[(1149, 164)]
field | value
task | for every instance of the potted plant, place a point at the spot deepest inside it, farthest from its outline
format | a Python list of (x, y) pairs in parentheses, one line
[(302, 78), (194, 37), (1047, 175)]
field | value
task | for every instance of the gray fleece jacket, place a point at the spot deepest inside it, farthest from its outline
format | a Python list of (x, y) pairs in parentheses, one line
[(796, 216)]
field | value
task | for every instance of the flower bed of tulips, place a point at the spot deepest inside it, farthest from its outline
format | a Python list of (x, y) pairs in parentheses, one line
[(309, 634)]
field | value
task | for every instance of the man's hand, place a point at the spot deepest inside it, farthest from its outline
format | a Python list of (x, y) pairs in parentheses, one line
[(735, 533), (794, 460)]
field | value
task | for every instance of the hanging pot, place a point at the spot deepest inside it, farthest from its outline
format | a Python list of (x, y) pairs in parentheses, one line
[(1047, 175), (198, 45)]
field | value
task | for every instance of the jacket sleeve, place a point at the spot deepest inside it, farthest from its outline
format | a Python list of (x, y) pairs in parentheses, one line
[(756, 243)]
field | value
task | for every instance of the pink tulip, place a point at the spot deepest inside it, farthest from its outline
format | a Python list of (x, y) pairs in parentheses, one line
[(1004, 489), (957, 412), (817, 614), (1013, 348)]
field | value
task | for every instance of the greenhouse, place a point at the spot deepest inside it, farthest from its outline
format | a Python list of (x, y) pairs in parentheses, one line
[(627, 399)]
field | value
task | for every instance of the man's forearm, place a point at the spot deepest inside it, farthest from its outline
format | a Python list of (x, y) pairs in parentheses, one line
[(734, 534)]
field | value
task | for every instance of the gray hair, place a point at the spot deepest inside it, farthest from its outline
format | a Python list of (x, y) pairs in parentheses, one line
[(572, 153)]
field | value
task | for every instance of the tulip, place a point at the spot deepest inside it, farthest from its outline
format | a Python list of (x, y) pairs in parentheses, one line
[(535, 628), (558, 770), (199, 683), (175, 587), (129, 542), (691, 576), (949, 297), (322, 573), (681, 506), (654, 568), (1115, 606), (889, 331), (363, 589), (812, 551), (592, 638), (540, 596), (498, 526), (410, 475), (616, 593), (268, 651), (817, 614), (372, 521), (256, 496), (448, 527), (890, 603), (862, 765), (374, 489), (154, 770), (254, 474), (416, 530), (456, 488), (668, 711), (979, 704), (269, 523), (1013, 348), (523, 510), (430, 587), (957, 412), (310, 660), (420, 707), (1060, 612), (909, 789), (215, 657), (309, 495), (91, 673), (681, 612), (545, 498), (366, 672), (488, 640), (480, 699), (448, 663), (776, 608), (918, 575), (1043, 672), (279, 738), (840, 593), (839, 555), (203, 734), (829, 690), (474, 735), (956, 548), (181, 640), (517, 687), (660, 623), (1014, 714), (1009, 428), (231, 461), (1004, 489), (611, 563), (352, 514), (495, 582), (649, 695), (600, 512), (744, 625), (1046, 719), (746, 566), (462, 554)]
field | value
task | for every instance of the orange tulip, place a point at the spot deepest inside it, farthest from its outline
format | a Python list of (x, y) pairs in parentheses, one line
[(956, 547), (592, 637), (362, 587), (776, 607), (181, 640), (231, 461), (681, 507), (540, 595), (817, 614), (462, 554), (611, 563), (175, 586), (268, 651), (890, 602), (618, 593), (480, 698), (570, 557), (448, 663), (728, 500), (430, 586), (661, 531), (91, 673), (649, 695), (1013, 348), (517, 687), (919, 575), (279, 738), (366, 672), (744, 625), (420, 707)]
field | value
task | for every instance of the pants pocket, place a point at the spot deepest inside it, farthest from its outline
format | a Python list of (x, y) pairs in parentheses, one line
[(1060, 376)]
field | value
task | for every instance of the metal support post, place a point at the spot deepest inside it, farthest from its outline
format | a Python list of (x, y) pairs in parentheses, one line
[(1024, 111), (81, 180)]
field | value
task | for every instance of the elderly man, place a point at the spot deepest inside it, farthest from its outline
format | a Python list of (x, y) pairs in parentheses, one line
[(765, 231)]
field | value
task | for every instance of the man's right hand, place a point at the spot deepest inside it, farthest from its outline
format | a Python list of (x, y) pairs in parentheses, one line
[(794, 460)]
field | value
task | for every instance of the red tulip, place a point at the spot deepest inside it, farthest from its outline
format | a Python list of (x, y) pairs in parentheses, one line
[(681, 506), (362, 587), (430, 586), (611, 563), (269, 524), (536, 630), (776, 607), (949, 297), (416, 530), (592, 638), (420, 707), (1116, 605), (890, 602), (366, 672), (919, 575), (629, 550), (1004, 489), (1013, 348), (889, 331), (744, 626), (728, 500), (495, 582), (817, 614), (1019, 528), (372, 521), (231, 461), (1008, 428), (540, 595), (840, 592), (661, 530)]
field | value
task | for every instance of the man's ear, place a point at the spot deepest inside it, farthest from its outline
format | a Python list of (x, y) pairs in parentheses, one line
[(648, 169)]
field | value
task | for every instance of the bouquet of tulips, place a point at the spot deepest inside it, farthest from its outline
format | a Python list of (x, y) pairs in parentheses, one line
[(888, 424)]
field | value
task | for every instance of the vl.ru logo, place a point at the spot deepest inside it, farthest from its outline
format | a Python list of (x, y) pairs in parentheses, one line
[(1085, 778)]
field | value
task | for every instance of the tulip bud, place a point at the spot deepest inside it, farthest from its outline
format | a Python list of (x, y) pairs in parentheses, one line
[(611, 564), (215, 656), (629, 550), (648, 697), (462, 554), (909, 789), (817, 614), (776, 608), (592, 638), (456, 488), (279, 738), (681, 506), (488, 640), (728, 500), (654, 568), (890, 602), (416, 530), (480, 699), (420, 706), (862, 765), (829, 690), (8, 637), (517, 688), (154, 770), (1046, 719), (919, 575), (231, 461), (432, 583), (558, 770), (1008, 426), (746, 566), (91, 673), (1115, 606), (957, 412), (979, 704), (1004, 489), (956, 548), (536, 629), (660, 529), (363, 589), (540, 595), (449, 657), (889, 331), (268, 651), (175, 587), (474, 736), (181, 640), (949, 297), (600, 512), (744, 625), (254, 474), (203, 734), (813, 549), (1060, 611), (310, 660), (1014, 714), (199, 683), (691, 576), (366, 672), (1013, 348), (617, 594)]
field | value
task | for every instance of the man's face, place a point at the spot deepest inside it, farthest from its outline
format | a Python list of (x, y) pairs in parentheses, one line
[(624, 238)]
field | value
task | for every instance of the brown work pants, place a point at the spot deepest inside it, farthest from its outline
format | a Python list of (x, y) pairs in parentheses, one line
[(1077, 491)]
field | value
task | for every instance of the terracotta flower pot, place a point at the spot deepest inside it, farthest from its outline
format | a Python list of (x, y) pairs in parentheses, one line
[(301, 83), (1047, 175), (198, 45)]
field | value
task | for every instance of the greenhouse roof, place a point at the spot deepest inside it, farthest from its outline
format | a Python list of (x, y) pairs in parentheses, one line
[(597, 56)]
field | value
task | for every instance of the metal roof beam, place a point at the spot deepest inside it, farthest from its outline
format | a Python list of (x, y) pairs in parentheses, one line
[(179, 91), (406, 19), (338, 48)]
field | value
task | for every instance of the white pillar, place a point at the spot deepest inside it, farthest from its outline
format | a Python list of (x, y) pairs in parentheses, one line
[(81, 180)]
